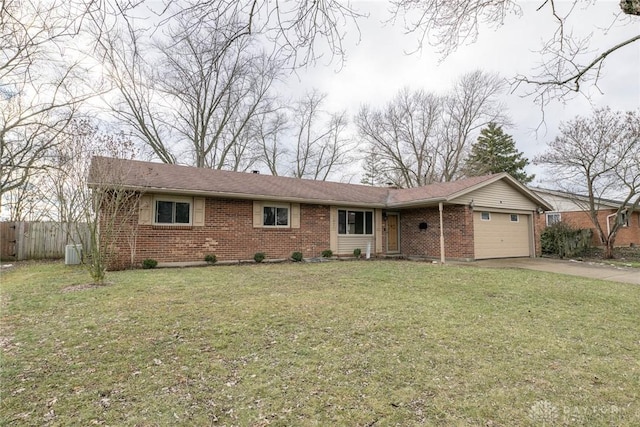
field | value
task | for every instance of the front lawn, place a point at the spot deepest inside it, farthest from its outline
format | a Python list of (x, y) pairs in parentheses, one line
[(338, 343)]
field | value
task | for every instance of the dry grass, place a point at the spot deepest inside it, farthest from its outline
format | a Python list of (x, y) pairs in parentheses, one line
[(336, 343)]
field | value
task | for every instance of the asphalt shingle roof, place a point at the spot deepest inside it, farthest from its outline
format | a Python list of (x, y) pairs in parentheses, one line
[(160, 177)]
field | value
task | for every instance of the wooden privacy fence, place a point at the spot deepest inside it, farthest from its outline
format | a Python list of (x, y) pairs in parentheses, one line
[(38, 240)]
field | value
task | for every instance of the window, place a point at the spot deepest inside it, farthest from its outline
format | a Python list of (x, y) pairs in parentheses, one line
[(623, 219), (173, 211), (515, 218), (553, 218), (355, 222), (275, 216), (485, 216)]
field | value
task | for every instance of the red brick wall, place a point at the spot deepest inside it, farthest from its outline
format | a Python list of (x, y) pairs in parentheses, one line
[(229, 234), (458, 232), (580, 219)]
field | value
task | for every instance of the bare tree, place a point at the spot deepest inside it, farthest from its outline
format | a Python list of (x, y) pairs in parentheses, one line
[(111, 216), (472, 104), (217, 90), (422, 138), (194, 91), (107, 206), (600, 156), (301, 31), (270, 130), (448, 24), (139, 104), (404, 136), (39, 89), (320, 142), (24, 203)]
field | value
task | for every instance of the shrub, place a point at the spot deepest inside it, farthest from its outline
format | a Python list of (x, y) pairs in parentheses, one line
[(296, 256), (565, 241), (357, 252), (259, 256), (327, 253), (149, 263), (210, 258)]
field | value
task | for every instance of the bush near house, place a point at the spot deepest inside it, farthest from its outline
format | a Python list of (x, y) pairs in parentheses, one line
[(327, 253), (259, 257), (562, 240), (149, 263)]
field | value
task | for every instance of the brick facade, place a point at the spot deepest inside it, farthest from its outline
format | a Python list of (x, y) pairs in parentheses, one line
[(626, 236), (228, 233), (458, 232)]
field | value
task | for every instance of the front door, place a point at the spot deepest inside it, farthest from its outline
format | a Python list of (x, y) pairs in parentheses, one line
[(392, 233)]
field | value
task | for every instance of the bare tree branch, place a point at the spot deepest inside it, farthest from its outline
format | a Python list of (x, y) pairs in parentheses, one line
[(448, 24), (599, 156)]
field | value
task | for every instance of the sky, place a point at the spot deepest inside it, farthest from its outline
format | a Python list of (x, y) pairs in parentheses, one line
[(377, 67)]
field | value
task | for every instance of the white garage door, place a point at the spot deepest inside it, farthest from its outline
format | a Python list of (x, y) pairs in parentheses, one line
[(501, 235)]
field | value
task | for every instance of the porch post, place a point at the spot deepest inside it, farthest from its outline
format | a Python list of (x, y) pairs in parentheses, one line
[(440, 208)]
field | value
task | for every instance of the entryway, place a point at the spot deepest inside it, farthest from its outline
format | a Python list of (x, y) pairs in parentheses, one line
[(393, 232)]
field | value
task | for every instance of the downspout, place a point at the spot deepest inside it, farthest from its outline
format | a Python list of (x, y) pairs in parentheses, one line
[(440, 208), (609, 226)]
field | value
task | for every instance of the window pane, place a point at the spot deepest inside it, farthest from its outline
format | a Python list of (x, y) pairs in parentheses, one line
[(283, 216), (182, 213), (553, 218), (514, 217), (485, 216), (359, 222), (369, 223), (269, 216), (342, 222), (623, 219), (351, 222), (164, 212)]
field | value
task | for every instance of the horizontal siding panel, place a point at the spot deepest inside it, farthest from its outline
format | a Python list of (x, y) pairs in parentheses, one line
[(498, 195), (346, 244)]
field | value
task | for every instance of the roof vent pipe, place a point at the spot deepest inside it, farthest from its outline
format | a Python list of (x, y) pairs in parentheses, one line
[(256, 172)]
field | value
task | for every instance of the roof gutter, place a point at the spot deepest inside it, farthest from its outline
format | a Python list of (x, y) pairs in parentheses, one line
[(417, 203)]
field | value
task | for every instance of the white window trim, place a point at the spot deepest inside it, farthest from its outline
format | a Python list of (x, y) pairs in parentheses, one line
[(482, 218), (546, 217), (373, 221), (511, 217), (161, 198), (286, 206)]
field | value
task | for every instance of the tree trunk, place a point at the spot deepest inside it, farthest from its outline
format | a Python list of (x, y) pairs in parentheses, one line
[(608, 249)]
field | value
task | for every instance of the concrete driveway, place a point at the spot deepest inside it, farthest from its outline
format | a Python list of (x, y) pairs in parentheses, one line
[(574, 268)]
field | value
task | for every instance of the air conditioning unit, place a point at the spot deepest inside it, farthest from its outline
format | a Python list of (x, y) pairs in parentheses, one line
[(72, 254)]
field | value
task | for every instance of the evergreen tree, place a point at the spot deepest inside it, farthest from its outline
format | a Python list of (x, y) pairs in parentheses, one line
[(372, 165), (495, 152)]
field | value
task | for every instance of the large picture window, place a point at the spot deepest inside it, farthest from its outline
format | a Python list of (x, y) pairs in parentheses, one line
[(355, 222), (172, 212), (275, 216)]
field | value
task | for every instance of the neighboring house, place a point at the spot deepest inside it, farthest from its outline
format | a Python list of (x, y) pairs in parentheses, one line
[(573, 210), (185, 213)]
